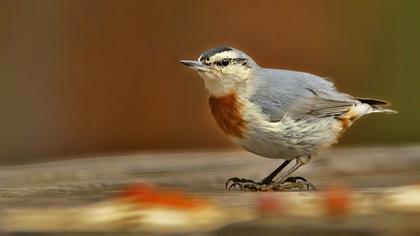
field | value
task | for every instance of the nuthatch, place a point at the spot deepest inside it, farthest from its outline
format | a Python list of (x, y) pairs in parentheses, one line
[(276, 113)]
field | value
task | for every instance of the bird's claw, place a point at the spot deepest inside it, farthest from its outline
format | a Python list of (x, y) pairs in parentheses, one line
[(234, 182), (246, 185), (291, 183), (295, 183)]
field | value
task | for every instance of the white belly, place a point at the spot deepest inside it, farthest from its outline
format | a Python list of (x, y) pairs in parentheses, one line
[(288, 138)]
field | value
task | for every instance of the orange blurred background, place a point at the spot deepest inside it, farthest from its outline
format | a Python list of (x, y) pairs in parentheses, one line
[(81, 77)]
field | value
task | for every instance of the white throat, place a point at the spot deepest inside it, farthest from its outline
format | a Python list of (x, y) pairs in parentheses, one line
[(221, 84), (216, 88)]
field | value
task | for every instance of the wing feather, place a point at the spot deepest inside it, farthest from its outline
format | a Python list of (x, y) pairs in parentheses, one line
[(320, 106), (299, 95)]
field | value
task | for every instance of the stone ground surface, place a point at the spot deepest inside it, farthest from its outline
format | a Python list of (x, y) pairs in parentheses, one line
[(359, 192)]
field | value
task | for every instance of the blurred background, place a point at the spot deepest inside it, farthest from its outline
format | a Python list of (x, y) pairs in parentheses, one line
[(80, 77)]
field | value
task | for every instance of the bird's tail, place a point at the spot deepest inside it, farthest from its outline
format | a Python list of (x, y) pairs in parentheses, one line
[(377, 105)]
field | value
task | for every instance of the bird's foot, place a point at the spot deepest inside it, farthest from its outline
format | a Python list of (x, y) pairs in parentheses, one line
[(236, 183), (291, 183)]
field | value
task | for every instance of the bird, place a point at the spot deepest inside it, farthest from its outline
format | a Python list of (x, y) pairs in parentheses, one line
[(276, 113)]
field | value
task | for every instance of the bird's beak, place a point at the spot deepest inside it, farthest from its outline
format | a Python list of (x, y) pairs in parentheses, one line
[(195, 65)]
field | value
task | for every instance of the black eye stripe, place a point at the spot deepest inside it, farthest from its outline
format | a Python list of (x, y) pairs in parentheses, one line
[(241, 60), (227, 61), (224, 62)]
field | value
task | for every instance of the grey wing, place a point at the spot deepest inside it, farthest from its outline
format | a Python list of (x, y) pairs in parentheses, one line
[(298, 94), (319, 105)]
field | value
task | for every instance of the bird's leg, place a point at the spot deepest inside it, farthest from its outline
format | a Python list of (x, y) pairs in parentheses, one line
[(288, 182), (270, 177), (291, 170), (243, 184)]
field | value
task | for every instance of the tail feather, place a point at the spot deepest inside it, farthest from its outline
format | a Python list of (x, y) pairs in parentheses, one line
[(372, 101), (377, 105), (378, 109)]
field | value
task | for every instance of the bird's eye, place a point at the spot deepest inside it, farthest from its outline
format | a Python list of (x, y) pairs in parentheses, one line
[(224, 62)]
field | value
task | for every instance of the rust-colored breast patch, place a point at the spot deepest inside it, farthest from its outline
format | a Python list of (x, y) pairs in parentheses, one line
[(227, 112)]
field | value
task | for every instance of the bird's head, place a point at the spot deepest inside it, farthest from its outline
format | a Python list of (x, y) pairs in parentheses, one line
[(223, 69)]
